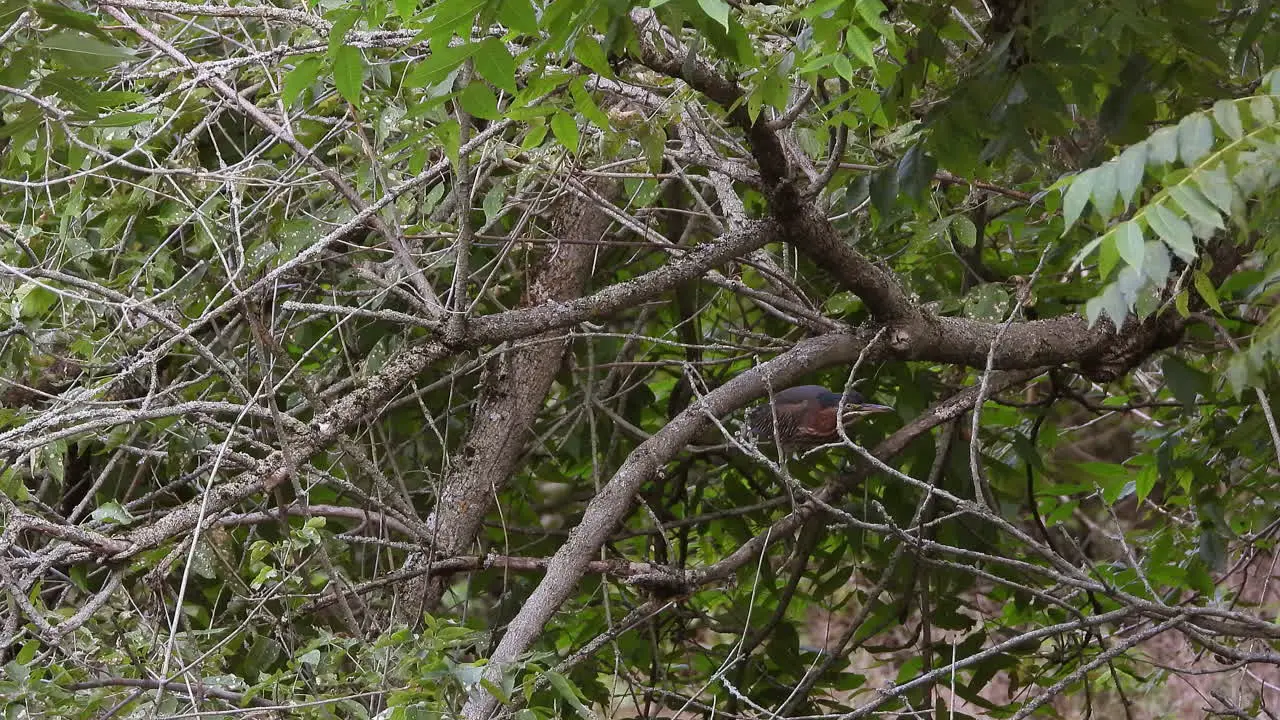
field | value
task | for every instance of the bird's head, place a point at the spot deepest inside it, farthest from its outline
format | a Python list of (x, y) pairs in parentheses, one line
[(854, 404)]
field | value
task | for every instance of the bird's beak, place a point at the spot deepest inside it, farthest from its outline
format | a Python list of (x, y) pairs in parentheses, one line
[(866, 409)]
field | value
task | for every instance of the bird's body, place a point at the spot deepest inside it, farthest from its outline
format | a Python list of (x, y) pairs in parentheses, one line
[(807, 416)]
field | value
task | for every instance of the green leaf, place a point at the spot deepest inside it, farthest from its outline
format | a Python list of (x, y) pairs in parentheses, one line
[(986, 302), (1213, 549), (1129, 243), (717, 10), (565, 128), (1195, 205), (842, 66), (34, 300), (1076, 197), (112, 512), (915, 171), (122, 119), (17, 69), (1104, 190), (452, 17), (1262, 110), (1228, 117), (1173, 230), (1185, 382), (1182, 303), (1204, 286), (1198, 577), (518, 15), (343, 20), (65, 85), (589, 53), (348, 73), (1239, 376), (537, 133), (1216, 186), (300, 78), (1108, 254), (884, 190), (450, 135), (652, 140), (966, 233), (569, 693), (478, 100), (1111, 302), (872, 12), (1115, 480), (1085, 251), (495, 64), (1261, 15), (439, 64), (68, 18), (493, 202), (1162, 146), (375, 14), (1156, 264), (11, 485), (1145, 482), (83, 54), (861, 46), (584, 104), (10, 10), (1195, 138), (405, 9), (1129, 171), (116, 98)]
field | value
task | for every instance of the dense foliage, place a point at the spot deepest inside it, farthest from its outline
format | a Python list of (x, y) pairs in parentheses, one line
[(389, 358)]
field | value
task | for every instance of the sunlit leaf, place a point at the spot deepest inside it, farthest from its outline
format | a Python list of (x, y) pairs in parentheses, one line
[(494, 63), (1162, 146), (1156, 264), (1129, 243), (1129, 170), (1195, 138), (717, 10), (1173, 230), (1216, 186), (1227, 116), (1076, 197), (1195, 205), (1104, 189), (1111, 303), (1263, 110)]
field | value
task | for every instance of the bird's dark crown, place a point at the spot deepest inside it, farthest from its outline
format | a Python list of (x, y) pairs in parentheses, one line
[(831, 399)]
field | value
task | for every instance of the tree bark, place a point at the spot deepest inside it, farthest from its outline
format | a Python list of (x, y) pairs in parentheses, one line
[(512, 392)]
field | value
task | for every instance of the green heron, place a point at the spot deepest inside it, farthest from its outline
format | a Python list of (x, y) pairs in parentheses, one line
[(807, 416)]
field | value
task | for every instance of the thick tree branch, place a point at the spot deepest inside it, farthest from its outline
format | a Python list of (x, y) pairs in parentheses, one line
[(511, 395), (646, 462), (367, 401)]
